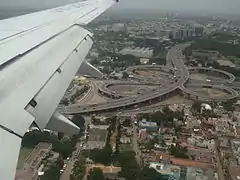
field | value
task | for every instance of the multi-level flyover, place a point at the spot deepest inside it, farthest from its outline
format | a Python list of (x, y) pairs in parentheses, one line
[(175, 60)]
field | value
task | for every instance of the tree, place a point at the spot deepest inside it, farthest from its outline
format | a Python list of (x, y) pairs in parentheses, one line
[(149, 174), (125, 75), (53, 172), (179, 115), (129, 165), (178, 151), (102, 156), (78, 171), (197, 106), (106, 70), (60, 135), (96, 174), (158, 117), (229, 105), (63, 147), (169, 115), (145, 116), (150, 143)]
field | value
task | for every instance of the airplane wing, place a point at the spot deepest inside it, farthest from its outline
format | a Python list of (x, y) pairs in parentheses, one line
[(39, 55)]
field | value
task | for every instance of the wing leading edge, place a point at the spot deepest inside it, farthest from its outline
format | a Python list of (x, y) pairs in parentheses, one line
[(39, 55)]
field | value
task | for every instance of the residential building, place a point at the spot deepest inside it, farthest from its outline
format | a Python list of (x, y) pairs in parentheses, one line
[(33, 162)]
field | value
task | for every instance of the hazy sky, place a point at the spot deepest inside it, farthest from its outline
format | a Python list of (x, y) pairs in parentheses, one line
[(184, 5), (223, 6)]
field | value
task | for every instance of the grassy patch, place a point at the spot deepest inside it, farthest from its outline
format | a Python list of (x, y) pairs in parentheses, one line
[(24, 152)]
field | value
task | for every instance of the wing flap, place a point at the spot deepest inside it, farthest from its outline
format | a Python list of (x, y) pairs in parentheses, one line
[(50, 95)]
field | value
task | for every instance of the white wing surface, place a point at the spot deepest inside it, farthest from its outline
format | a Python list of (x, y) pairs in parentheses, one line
[(39, 55)]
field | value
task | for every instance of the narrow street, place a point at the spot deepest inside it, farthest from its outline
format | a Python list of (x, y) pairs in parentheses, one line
[(67, 172), (218, 162), (70, 164)]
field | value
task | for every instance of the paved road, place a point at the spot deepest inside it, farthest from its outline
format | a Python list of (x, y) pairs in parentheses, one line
[(218, 162), (68, 171)]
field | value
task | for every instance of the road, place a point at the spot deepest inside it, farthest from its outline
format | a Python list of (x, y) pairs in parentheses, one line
[(68, 171), (218, 162), (183, 77)]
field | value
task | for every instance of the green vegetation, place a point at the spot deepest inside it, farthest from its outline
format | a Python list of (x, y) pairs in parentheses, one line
[(150, 174), (53, 172), (78, 171), (130, 168), (64, 147), (24, 152), (105, 155), (96, 174), (150, 143), (166, 116), (178, 151), (229, 105), (102, 156), (125, 147), (196, 107)]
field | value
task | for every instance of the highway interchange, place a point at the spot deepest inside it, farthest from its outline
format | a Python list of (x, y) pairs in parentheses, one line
[(175, 60)]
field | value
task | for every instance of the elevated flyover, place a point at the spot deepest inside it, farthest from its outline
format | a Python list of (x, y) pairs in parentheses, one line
[(175, 60)]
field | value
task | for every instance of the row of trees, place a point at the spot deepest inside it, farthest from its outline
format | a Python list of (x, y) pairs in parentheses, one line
[(78, 171), (53, 172)]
